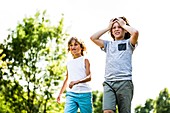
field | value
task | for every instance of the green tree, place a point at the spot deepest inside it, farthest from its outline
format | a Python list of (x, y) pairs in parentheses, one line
[(147, 108), (159, 105), (3, 65), (97, 102), (37, 54), (163, 102)]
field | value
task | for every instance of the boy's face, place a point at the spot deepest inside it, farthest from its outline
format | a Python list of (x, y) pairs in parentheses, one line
[(118, 31), (75, 48)]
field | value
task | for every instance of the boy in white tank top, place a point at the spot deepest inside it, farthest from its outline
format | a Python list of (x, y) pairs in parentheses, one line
[(79, 94)]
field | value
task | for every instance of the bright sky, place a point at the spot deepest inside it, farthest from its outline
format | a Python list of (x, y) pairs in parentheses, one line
[(85, 17)]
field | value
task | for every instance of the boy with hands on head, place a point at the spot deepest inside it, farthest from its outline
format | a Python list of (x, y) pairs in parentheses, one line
[(118, 85)]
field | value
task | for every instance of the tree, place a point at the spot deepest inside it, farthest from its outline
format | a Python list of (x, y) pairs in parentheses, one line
[(147, 108), (3, 65), (97, 102), (163, 102), (37, 54), (159, 105)]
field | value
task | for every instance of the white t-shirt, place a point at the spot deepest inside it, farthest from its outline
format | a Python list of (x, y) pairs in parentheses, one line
[(77, 71)]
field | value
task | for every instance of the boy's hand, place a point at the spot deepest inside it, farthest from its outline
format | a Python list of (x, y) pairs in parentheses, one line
[(58, 98), (111, 23), (121, 22), (72, 83)]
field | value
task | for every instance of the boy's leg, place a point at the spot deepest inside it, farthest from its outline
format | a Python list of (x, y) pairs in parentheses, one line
[(71, 104), (109, 98), (85, 102), (125, 95)]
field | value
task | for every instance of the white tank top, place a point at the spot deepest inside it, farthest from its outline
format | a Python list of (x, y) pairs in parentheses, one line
[(77, 71)]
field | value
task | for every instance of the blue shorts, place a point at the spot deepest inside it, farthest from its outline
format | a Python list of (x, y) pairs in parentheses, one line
[(83, 101)]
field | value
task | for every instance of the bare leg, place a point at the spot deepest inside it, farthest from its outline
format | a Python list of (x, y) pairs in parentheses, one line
[(108, 111)]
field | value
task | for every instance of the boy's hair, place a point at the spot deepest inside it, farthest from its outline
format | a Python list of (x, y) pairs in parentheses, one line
[(127, 35), (79, 41)]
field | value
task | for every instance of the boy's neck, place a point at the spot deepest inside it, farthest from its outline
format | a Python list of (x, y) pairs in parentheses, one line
[(121, 38), (76, 56)]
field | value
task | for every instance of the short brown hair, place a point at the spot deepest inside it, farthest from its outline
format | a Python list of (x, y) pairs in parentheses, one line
[(82, 45), (127, 35)]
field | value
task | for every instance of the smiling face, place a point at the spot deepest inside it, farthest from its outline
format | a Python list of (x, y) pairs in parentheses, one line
[(120, 33), (117, 31), (75, 48)]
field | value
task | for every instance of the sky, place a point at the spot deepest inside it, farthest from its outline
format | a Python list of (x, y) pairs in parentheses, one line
[(82, 18)]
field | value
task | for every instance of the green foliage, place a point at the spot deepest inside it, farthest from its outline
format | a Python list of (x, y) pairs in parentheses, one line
[(97, 102), (36, 52), (149, 105), (55, 107), (159, 105), (3, 64), (163, 102)]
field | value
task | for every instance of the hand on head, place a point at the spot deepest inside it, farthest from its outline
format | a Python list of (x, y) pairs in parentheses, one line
[(121, 21), (118, 20), (111, 23)]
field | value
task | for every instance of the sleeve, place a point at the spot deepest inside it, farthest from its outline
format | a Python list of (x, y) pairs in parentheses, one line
[(132, 46), (105, 45)]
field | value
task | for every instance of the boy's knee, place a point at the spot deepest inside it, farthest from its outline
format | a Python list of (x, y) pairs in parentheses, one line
[(108, 111)]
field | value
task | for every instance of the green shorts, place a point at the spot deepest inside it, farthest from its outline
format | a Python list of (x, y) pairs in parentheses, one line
[(122, 98)]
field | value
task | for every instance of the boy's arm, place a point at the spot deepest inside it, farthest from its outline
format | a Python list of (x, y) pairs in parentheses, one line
[(95, 37), (63, 88)]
